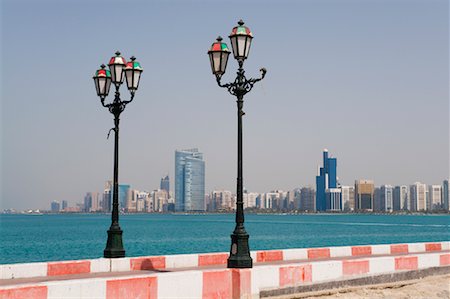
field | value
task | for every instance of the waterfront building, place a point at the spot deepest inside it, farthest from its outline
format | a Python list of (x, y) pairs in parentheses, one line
[(401, 198), (250, 199), (165, 184), (222, 200), (106, 201), (325, 179), (445, 195), (55, 206), (364, 192), (64, 205), (387, 198), (297, 198), (434, 199), (124, 196), (333, 199), (189, 180), (348, 198), (160, 199), (308, 199), (418, 196)]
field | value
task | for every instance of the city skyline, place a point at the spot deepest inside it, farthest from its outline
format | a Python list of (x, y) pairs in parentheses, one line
[(368, 80)]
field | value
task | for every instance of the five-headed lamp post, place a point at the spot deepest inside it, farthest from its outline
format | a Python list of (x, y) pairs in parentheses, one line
[(241, 38), (118, 69)]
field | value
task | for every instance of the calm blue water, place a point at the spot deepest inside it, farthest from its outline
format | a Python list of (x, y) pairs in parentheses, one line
[(64, 237)]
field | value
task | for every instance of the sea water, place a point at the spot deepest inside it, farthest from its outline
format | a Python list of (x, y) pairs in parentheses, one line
[(33, 238)]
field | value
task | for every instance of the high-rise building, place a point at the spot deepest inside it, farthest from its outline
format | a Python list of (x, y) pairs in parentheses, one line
[(307, 199), (348, 198), (401, 198), (333, 199), (250, 199), (189, 180), (55, 206), (87, 202), (418, 196), (364, 192), (106, 201), (434, 197), (386, 198), (160, 199), (165, 184), (64, 205), (325, 179), (221, 200), (445, 195)]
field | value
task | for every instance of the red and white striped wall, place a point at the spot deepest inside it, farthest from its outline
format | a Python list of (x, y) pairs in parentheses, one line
[(225, 283), (179, 261)]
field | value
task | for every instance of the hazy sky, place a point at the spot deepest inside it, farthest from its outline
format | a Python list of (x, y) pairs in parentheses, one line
[(367, 79)]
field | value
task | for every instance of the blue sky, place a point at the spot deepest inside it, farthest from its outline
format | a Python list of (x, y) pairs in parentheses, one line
[(369, 80)]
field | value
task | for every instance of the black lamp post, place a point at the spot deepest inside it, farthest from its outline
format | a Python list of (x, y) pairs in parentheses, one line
[(118, 69), (241, 39)]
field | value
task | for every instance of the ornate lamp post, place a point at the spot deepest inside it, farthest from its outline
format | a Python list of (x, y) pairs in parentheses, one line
[(118, 69), (241, 39)]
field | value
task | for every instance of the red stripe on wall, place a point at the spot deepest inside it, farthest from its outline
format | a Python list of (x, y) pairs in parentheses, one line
[(406, 263), (241, 283), (399, 248), (433, 247), (212, 259), (66, 268), (293, 275), (317, 253), (132, 288), (34, 292), (444, 259), (269, 256), (217, 284), (355, 267), (148, 263), (361, 250)]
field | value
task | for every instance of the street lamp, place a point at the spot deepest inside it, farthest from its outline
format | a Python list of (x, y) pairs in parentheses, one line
[(241, 39), (118, 69)]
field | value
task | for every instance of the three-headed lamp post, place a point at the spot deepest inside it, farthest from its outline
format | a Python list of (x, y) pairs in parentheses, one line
[(241, 39), (118, 70)]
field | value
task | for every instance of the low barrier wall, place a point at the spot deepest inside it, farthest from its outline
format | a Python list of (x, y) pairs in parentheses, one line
[(180, 261), (225, 283)]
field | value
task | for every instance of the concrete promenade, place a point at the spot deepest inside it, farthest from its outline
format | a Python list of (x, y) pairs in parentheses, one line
[(206, 276)]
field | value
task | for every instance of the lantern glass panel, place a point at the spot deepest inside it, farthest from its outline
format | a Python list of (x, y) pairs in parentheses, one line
[(216, 58), (211, 60), (107, 86), (118, 75), (136, 78), (242, 43), (247, 49), (224, 61), (234, 46)]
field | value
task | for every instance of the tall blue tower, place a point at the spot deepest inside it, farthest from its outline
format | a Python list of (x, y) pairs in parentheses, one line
[(325, 179)]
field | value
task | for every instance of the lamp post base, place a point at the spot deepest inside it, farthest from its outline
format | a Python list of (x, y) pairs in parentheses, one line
[(114, 246), (239, 253)]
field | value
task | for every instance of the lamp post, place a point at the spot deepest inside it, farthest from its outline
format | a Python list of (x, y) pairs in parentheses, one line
[(118, 69), (241, 39)]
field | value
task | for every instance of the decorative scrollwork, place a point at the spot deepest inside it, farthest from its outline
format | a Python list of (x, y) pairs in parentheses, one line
[(241, 84)]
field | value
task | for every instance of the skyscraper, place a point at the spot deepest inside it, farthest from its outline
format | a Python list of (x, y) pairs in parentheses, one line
[(325, 179), (165, 184), (189, 180), (418, 196), (348, 198), (55, 206), (401, 198), (445, 195), (364, 191), (434, 197)]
